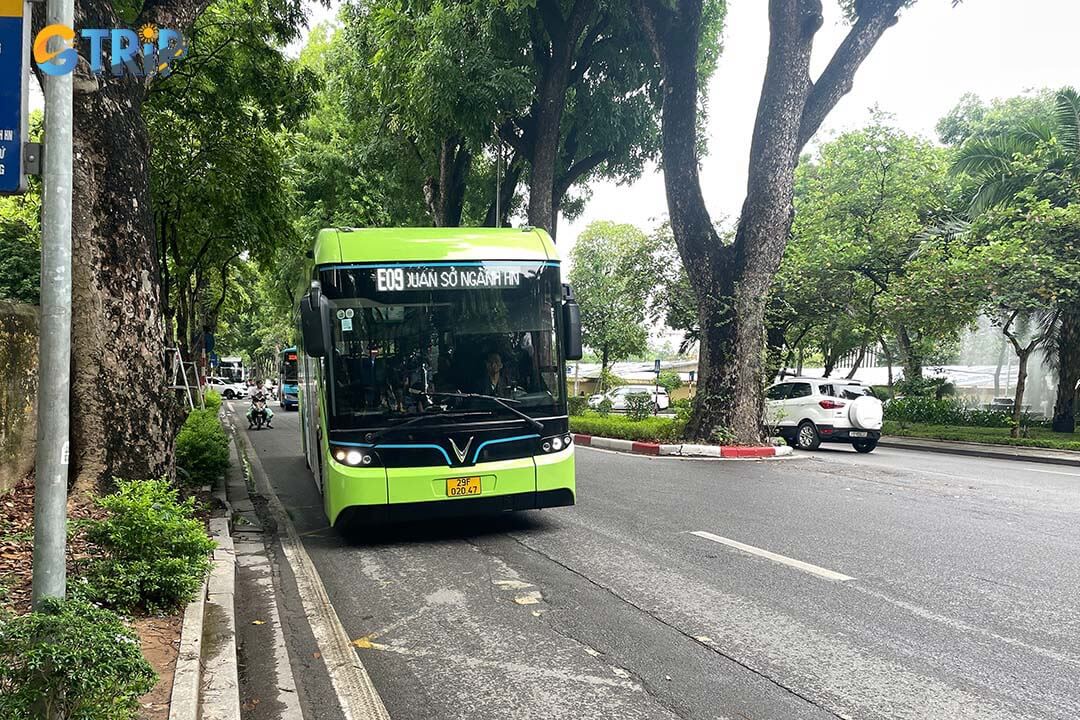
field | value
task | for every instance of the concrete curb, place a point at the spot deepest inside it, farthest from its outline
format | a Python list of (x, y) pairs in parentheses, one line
[(187, 675), (205, 681), (682, 450), (996, 452), (221, 683)]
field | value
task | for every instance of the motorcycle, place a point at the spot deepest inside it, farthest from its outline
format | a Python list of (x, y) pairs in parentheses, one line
[(259, 416)]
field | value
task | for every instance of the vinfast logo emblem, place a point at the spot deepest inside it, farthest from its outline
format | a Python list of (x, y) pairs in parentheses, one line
[(460, 453), (149, 52)]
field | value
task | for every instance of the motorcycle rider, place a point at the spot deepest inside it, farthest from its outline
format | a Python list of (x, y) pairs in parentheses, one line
[(259, 396)]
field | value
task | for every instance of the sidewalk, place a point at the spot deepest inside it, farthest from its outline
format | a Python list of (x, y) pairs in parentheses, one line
[(985, 450)]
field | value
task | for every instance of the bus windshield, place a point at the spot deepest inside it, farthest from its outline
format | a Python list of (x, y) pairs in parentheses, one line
[(407, 338)]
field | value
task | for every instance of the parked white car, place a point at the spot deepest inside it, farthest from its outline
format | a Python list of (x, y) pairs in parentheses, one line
[(809, 411), (227, 388), (618, 397)]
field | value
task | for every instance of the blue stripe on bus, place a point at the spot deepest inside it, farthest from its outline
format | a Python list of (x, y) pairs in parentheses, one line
[(476, 454)]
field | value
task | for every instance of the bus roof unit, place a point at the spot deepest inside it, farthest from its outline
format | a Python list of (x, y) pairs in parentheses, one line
[(431, 244)]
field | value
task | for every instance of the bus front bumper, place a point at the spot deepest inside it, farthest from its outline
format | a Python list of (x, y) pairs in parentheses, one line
[(358, 496), (368, 515)]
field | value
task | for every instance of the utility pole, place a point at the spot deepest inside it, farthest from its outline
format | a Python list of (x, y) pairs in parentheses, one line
[(54, 353)]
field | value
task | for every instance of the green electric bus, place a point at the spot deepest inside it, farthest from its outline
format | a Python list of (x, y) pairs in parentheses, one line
[(432, 372)]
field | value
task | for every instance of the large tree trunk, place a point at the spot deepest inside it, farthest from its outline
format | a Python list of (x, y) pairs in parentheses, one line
[(1068, 371), (564, 34), (123, 416), (732, 282)]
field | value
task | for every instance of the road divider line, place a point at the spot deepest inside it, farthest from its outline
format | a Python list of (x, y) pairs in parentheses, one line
[(783, 559)]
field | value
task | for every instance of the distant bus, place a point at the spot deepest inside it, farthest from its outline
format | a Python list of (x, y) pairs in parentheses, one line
[(287, 388), (432, 373), (232, 368)]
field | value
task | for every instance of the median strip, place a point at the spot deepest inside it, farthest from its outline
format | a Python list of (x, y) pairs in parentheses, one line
[(681, 449)]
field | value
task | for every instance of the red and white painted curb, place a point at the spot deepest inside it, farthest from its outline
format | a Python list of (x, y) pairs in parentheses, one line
[(681, 450)]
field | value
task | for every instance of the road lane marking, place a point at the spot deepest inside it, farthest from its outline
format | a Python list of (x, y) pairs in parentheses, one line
[(783, 559), (1054, 472)]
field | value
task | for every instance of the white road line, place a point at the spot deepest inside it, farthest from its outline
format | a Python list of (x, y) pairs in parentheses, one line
[(791, 562), (1054, 472)]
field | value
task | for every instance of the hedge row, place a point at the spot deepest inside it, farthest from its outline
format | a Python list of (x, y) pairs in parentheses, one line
[(948, 411), (653, 429)]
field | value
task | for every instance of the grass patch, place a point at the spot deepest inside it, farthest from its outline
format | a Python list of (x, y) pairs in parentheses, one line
[(1037, 437), (653, 429)]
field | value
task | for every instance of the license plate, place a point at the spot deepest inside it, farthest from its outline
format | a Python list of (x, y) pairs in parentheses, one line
[(460, 487), (857, 433)]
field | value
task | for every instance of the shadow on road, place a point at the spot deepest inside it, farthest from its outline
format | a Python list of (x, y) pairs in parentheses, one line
[(464, 528)]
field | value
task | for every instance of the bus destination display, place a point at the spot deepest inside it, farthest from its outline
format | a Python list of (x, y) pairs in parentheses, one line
[(447, 278)]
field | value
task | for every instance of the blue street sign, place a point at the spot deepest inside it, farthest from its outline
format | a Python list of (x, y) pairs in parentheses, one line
[(14, 80)]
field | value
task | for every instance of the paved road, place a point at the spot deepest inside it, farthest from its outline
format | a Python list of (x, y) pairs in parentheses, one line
[(900, 585)]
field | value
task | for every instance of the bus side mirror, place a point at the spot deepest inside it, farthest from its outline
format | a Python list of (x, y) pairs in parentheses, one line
[(571, 325), (313, 322)]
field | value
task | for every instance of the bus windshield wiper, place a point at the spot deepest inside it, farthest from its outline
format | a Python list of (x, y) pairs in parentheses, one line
[(378, 434), (539, 426)]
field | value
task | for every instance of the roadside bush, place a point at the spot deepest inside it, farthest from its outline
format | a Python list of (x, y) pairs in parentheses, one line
[(948, 411), (604, 407), (883, 392), (153, 551), (577, 404), (639, 406), (212, 400), (71, 660), (652, 429), (202, 448), (682, 408)]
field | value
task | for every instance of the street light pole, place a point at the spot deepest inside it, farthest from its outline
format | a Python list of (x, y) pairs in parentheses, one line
[(54, 349)]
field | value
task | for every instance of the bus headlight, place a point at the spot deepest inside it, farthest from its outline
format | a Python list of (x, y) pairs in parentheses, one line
[(354, 457), (555, 444)]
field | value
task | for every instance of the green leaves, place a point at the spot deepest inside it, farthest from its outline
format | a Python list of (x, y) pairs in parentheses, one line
[(613, 273), (152, 550), (202, 447), (71, 660)]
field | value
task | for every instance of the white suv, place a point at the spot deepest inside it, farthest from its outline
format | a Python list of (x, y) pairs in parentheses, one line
[(618, 397), (809, 411), (227, 388)]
